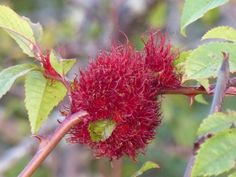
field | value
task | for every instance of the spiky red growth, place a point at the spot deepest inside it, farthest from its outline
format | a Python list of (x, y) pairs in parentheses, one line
[(159, 59), (122, 85)]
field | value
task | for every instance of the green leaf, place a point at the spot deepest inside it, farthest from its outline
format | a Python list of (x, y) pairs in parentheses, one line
[(18, 28), (217, 155), (200, 99), (222, 32), (204, 62), (37, 29), (217, 122), (146, 166), (62, 66), (41, 95), (211, 17), (9, 75), (182, 57), (232, 174), (195, 9), (101, 130), (179, 61)]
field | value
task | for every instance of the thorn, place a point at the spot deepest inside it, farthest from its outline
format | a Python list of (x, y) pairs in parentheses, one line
[(225, 55), (126, 38), (192, 99), (59, 121), (232, 126), (112, 163), (38, 137), (209, 135), (63, 113)]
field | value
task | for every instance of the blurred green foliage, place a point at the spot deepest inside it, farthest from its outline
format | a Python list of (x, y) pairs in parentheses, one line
[(157, 15), (41, 171)]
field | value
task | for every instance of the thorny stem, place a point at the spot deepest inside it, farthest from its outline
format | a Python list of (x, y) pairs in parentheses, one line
[(195, 90), (49, 143), (219, 94)]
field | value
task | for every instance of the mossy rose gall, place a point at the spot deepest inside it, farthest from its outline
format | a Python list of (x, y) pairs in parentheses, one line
[(121, 85)]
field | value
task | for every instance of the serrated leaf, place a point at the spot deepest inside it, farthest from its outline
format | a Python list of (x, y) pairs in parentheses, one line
[(18, 28), (222, 32), (146, 166), (62, 66), (204, 62), (217, 155), (9, 75), (41, 96), (217, 122), (195, 9), (101, 130), (232, 174)]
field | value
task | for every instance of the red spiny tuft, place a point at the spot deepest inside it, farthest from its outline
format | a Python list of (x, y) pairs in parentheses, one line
[(48, 69), (117, 86), (159, 59)]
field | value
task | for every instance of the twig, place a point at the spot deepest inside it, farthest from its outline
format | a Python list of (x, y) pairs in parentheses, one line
[(195, 90), (221, 84), (219, 93), (48, 144)]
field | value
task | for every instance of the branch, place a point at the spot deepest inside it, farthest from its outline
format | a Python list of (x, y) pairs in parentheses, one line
[(221, 85), (219, 94), (195, 90), (48, 144)]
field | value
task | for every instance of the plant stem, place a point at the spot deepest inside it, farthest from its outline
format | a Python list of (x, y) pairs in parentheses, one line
[(195, 90), (48, 144), (221, 85), (219, 93)]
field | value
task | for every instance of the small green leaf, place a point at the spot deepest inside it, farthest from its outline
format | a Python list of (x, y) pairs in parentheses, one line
[(195, 9), (217, 155), (41, 96), (62, 66), (101, 130), (205, 83), (9, 75), (204, 62), (146, 166), (200, 99), (232, 174), (37, 29), (18, 28), (217, 122), (222, 32)]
